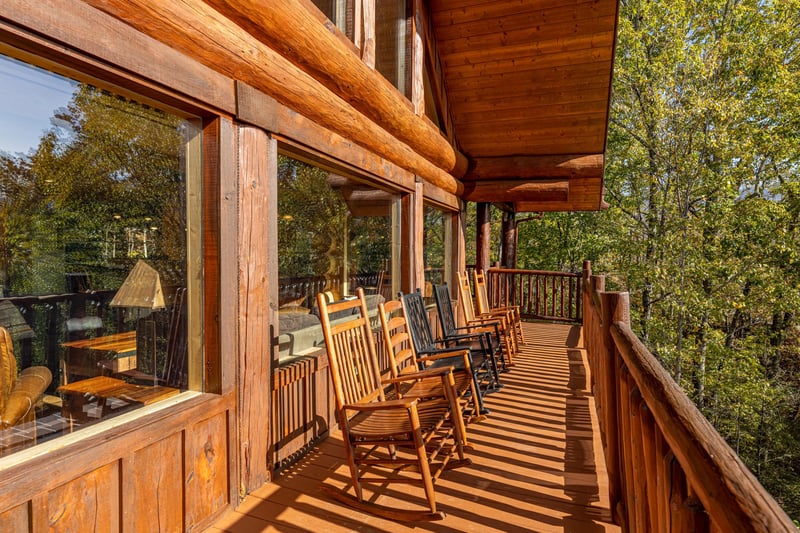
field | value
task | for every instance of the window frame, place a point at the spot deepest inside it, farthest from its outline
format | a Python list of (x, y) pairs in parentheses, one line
[(202, 215)]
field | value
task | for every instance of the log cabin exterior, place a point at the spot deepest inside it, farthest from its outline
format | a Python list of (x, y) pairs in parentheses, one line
[(404, 108)]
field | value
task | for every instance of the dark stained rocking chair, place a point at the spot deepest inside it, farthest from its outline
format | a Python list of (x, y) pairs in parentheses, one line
[(481, 349), (419, 380), (413, 433), (490, 328)]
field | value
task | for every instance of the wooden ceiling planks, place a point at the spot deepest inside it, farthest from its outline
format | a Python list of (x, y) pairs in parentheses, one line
[(528, 79)]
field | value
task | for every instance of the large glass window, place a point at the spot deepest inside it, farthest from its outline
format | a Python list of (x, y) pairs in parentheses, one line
[(93, 254), (335, 234), (435, 249), (391, 27)]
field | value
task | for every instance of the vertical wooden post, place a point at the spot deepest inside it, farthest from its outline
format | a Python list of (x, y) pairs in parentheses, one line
[(483, 244), (650, 466), (257, 168), (509, 252), (367, 27), (417, 74), (412, 271), (638, 471), (458, 246), (626, 509), (614, 307)]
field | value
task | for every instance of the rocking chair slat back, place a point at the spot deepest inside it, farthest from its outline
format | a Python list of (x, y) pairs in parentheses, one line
[(356, 366)]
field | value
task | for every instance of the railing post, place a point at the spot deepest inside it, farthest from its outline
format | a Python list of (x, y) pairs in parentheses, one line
[(614, 308)]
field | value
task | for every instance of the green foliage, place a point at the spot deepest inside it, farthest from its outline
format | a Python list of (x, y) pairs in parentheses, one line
[(703, 228)]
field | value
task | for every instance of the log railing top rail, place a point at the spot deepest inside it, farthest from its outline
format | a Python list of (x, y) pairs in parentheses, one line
[(730, 493), (669, 469)]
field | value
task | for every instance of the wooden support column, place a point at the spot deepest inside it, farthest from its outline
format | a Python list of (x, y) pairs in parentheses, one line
[(483, 246), (412, 273), (257, 185), (614, 307), (459, 246), (509, 251)]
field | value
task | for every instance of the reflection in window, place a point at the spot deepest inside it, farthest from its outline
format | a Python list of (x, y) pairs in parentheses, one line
[(435, 249), (390, 41), (336, 11), (334, 235), (92, 254)]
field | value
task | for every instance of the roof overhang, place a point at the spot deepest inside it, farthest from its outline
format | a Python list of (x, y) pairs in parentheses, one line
[(528, 86)]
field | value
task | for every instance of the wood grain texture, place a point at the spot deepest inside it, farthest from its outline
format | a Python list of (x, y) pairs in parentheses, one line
[(257, 167), (293, 32), (109, 45), (203, 33), (91, 499), (207, 468), (152, 495), (729, 492), (526, 79)]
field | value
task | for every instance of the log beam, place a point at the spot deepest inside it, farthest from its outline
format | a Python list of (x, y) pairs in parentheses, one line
[(199, 31), (291, 29), (517, 190), (545, 166)]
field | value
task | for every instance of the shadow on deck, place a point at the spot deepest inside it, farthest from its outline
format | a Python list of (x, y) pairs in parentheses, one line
[(537, 462)]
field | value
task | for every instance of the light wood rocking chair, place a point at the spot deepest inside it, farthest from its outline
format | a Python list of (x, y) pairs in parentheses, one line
[(503, 319), (419, 378), (404, 440), (482, 297)]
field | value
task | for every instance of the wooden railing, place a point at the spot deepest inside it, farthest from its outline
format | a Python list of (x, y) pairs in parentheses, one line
[(668, 468), (540, 295)]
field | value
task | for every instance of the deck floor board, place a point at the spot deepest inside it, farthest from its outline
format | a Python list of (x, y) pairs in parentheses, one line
[(537, 462)]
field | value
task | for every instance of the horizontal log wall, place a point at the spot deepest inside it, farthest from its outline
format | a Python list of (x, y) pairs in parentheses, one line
[(168, 468), (669, 469)]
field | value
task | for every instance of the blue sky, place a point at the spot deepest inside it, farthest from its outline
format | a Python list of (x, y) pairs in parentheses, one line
[(28, 98)]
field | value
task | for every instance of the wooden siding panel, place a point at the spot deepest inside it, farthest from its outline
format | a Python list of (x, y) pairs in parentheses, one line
[(152, 487), (207, 479), (88, 503), (15, 519)]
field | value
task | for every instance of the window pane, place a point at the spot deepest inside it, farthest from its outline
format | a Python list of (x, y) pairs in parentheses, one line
[(390, 41), (334, 235), (336, 11), (435, 249), (93, 225)]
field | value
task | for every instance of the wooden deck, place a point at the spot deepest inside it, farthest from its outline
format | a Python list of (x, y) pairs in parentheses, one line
[(537, 462)]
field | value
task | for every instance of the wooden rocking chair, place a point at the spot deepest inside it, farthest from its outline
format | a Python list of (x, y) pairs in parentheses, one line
[(482, 297), (502, 319), (413, 433), (419, 379)]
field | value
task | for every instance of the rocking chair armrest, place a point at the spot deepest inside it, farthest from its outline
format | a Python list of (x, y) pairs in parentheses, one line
[(386, 405), (475, 329), (433, 353), (445, 355), (493, 313), (427, 373)]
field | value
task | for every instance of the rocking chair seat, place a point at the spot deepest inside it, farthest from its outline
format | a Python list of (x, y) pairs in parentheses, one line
[(390, 418)]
